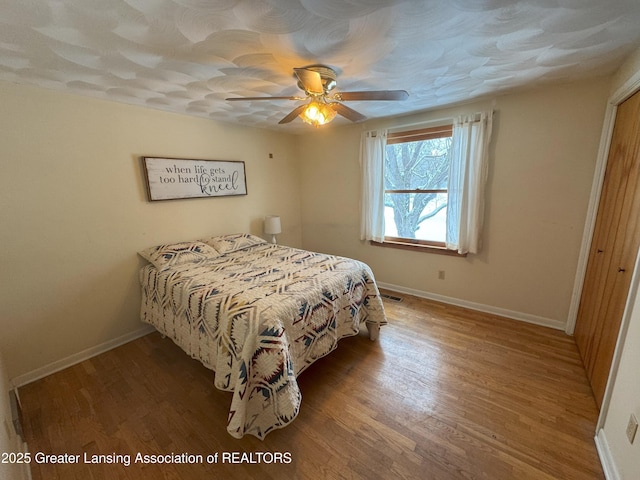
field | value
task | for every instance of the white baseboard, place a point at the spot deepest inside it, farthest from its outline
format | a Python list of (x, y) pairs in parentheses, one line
[(606, 459), (502, 312), (58, 365)]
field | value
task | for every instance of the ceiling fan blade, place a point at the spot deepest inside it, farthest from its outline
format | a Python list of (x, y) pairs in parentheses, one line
[(293, 114), (348, 113), (240, 99), (312, 81), (373, 95)]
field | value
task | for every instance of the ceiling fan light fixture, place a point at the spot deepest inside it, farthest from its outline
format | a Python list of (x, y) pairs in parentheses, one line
[(318, 113), (317, 81)]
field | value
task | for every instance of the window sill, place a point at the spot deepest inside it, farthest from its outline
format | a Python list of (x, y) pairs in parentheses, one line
[(418, 248)]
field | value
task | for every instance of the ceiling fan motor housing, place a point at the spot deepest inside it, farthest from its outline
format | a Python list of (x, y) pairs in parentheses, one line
[(327, 76)]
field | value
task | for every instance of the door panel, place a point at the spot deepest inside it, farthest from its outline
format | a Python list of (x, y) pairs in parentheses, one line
[(613, 251)]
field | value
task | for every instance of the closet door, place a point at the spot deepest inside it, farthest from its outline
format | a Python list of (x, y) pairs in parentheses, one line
[(613, 250)]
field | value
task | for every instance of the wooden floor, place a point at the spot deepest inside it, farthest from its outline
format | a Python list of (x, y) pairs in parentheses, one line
[(444, 394)]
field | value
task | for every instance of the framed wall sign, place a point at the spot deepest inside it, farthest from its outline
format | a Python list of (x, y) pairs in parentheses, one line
[(173, 178)]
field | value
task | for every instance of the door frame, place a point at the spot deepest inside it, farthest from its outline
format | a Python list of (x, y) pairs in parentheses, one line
[(631, 86)]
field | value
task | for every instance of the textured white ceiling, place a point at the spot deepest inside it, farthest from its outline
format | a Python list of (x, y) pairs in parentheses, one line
[(187, 56)]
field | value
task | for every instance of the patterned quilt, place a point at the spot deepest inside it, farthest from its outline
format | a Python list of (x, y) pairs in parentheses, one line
[(258, 315)]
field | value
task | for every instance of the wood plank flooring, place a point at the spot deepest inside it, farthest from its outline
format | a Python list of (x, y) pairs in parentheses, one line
[(445, 393)]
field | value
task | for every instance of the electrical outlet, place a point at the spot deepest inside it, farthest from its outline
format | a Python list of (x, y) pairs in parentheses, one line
[(632, 428), (440, 274)]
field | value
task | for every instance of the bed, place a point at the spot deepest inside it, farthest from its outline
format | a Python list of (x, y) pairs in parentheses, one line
[(257, 314)]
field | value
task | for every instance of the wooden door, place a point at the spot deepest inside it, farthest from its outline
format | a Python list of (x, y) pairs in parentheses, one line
[(613, 251)]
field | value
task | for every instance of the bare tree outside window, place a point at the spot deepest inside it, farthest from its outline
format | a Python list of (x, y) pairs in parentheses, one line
[(416, 175)]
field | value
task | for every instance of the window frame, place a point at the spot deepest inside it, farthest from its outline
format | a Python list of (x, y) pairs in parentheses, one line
[(422, 134)]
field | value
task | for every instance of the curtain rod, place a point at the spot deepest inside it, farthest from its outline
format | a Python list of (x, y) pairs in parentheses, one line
[(438, 121), (424, 123)]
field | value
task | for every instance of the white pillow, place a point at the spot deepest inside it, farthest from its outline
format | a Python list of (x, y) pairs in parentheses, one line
[(233, 242), (165, 256)]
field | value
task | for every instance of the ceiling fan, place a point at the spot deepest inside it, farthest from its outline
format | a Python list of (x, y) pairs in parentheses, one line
[(318, 81)]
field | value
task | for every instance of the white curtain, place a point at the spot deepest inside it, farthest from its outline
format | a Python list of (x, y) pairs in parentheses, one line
[(467, 178), (372, 147)]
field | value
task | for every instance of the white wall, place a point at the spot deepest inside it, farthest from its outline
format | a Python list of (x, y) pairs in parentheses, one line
[(543, 153), (623, 392), (73, 213)]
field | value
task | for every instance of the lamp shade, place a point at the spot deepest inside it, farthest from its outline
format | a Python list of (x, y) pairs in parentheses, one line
[(318, 113), (272, 225)]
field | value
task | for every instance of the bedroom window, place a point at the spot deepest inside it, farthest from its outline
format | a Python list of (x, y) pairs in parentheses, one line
[(416, 175), (424, 189)]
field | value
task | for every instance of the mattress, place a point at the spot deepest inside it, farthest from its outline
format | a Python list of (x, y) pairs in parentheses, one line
[(259, 314)]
